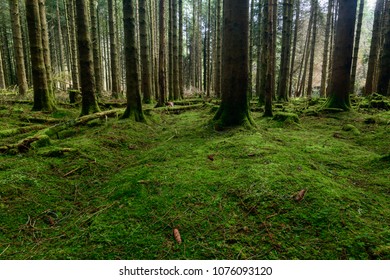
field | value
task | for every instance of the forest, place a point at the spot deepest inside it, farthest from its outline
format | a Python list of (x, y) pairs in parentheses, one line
[(195, 129)]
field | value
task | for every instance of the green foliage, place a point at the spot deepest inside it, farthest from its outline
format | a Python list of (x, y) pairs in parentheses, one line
[(116, 189)]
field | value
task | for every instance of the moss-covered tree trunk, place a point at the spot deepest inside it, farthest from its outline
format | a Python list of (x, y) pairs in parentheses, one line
[(87, 75), (384, 66), (146, 66), (234, 106), (342, 56), (133, 87), (42, 97), (18, 47)]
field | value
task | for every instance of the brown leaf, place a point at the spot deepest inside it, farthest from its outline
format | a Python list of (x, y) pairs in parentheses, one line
[(300, 195), (210, 157), (176, 235)]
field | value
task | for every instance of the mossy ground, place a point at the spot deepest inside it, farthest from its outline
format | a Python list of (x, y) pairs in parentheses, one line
[(123, 186)]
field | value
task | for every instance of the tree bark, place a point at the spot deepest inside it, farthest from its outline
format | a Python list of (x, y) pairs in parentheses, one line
[(292, 70), (133, 87), (146, 69), (270, 71), (285, 53), (42, 97), (96, 47), (356, 46), (115, 86), (312, 49), (162, 63), (71, 26), (181, 66), (374, 49), (2, 80), (234, 106), (342, 57), (87, 75), (217, 70), (325, 56), (45, 45), (175, 50), (384, 66), (18, 47)]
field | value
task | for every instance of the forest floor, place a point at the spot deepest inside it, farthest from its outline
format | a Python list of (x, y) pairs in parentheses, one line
[(116, 189)]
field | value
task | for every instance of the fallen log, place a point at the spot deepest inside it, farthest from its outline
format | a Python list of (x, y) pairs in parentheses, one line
[(20, 130), (42, 137)]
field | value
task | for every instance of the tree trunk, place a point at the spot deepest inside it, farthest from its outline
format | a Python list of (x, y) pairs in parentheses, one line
[(18, 47), (234, 106), (270, 71), (285, 53), (42, 97), (71, 26), (96, 47), (113, 50), (45, 45), (356, 46), (161, 67), (298, 5), (146, 68), (2, 80), (305, 59), (325, 56), (251, 44), (332, 41), (342, 57), (384, 66), (175, 50), (133, 87), (217, 70), (374, 49), (87, 75), (181, 66), (312, 49), (259, 50), (61, 50)]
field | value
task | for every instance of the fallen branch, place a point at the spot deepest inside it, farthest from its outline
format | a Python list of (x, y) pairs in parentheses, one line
[(179, 109)]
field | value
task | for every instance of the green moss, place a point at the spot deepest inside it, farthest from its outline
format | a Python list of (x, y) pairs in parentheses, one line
[(125, 185), (286, 117), (351, 128)]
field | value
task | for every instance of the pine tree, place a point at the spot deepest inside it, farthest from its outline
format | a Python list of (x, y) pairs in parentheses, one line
[(42, 97), (342, 56), (234, 106), (18, 47), (133, 87), (87, 74)]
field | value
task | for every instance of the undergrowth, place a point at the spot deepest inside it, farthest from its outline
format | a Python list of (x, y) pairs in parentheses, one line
[(118, 188)]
